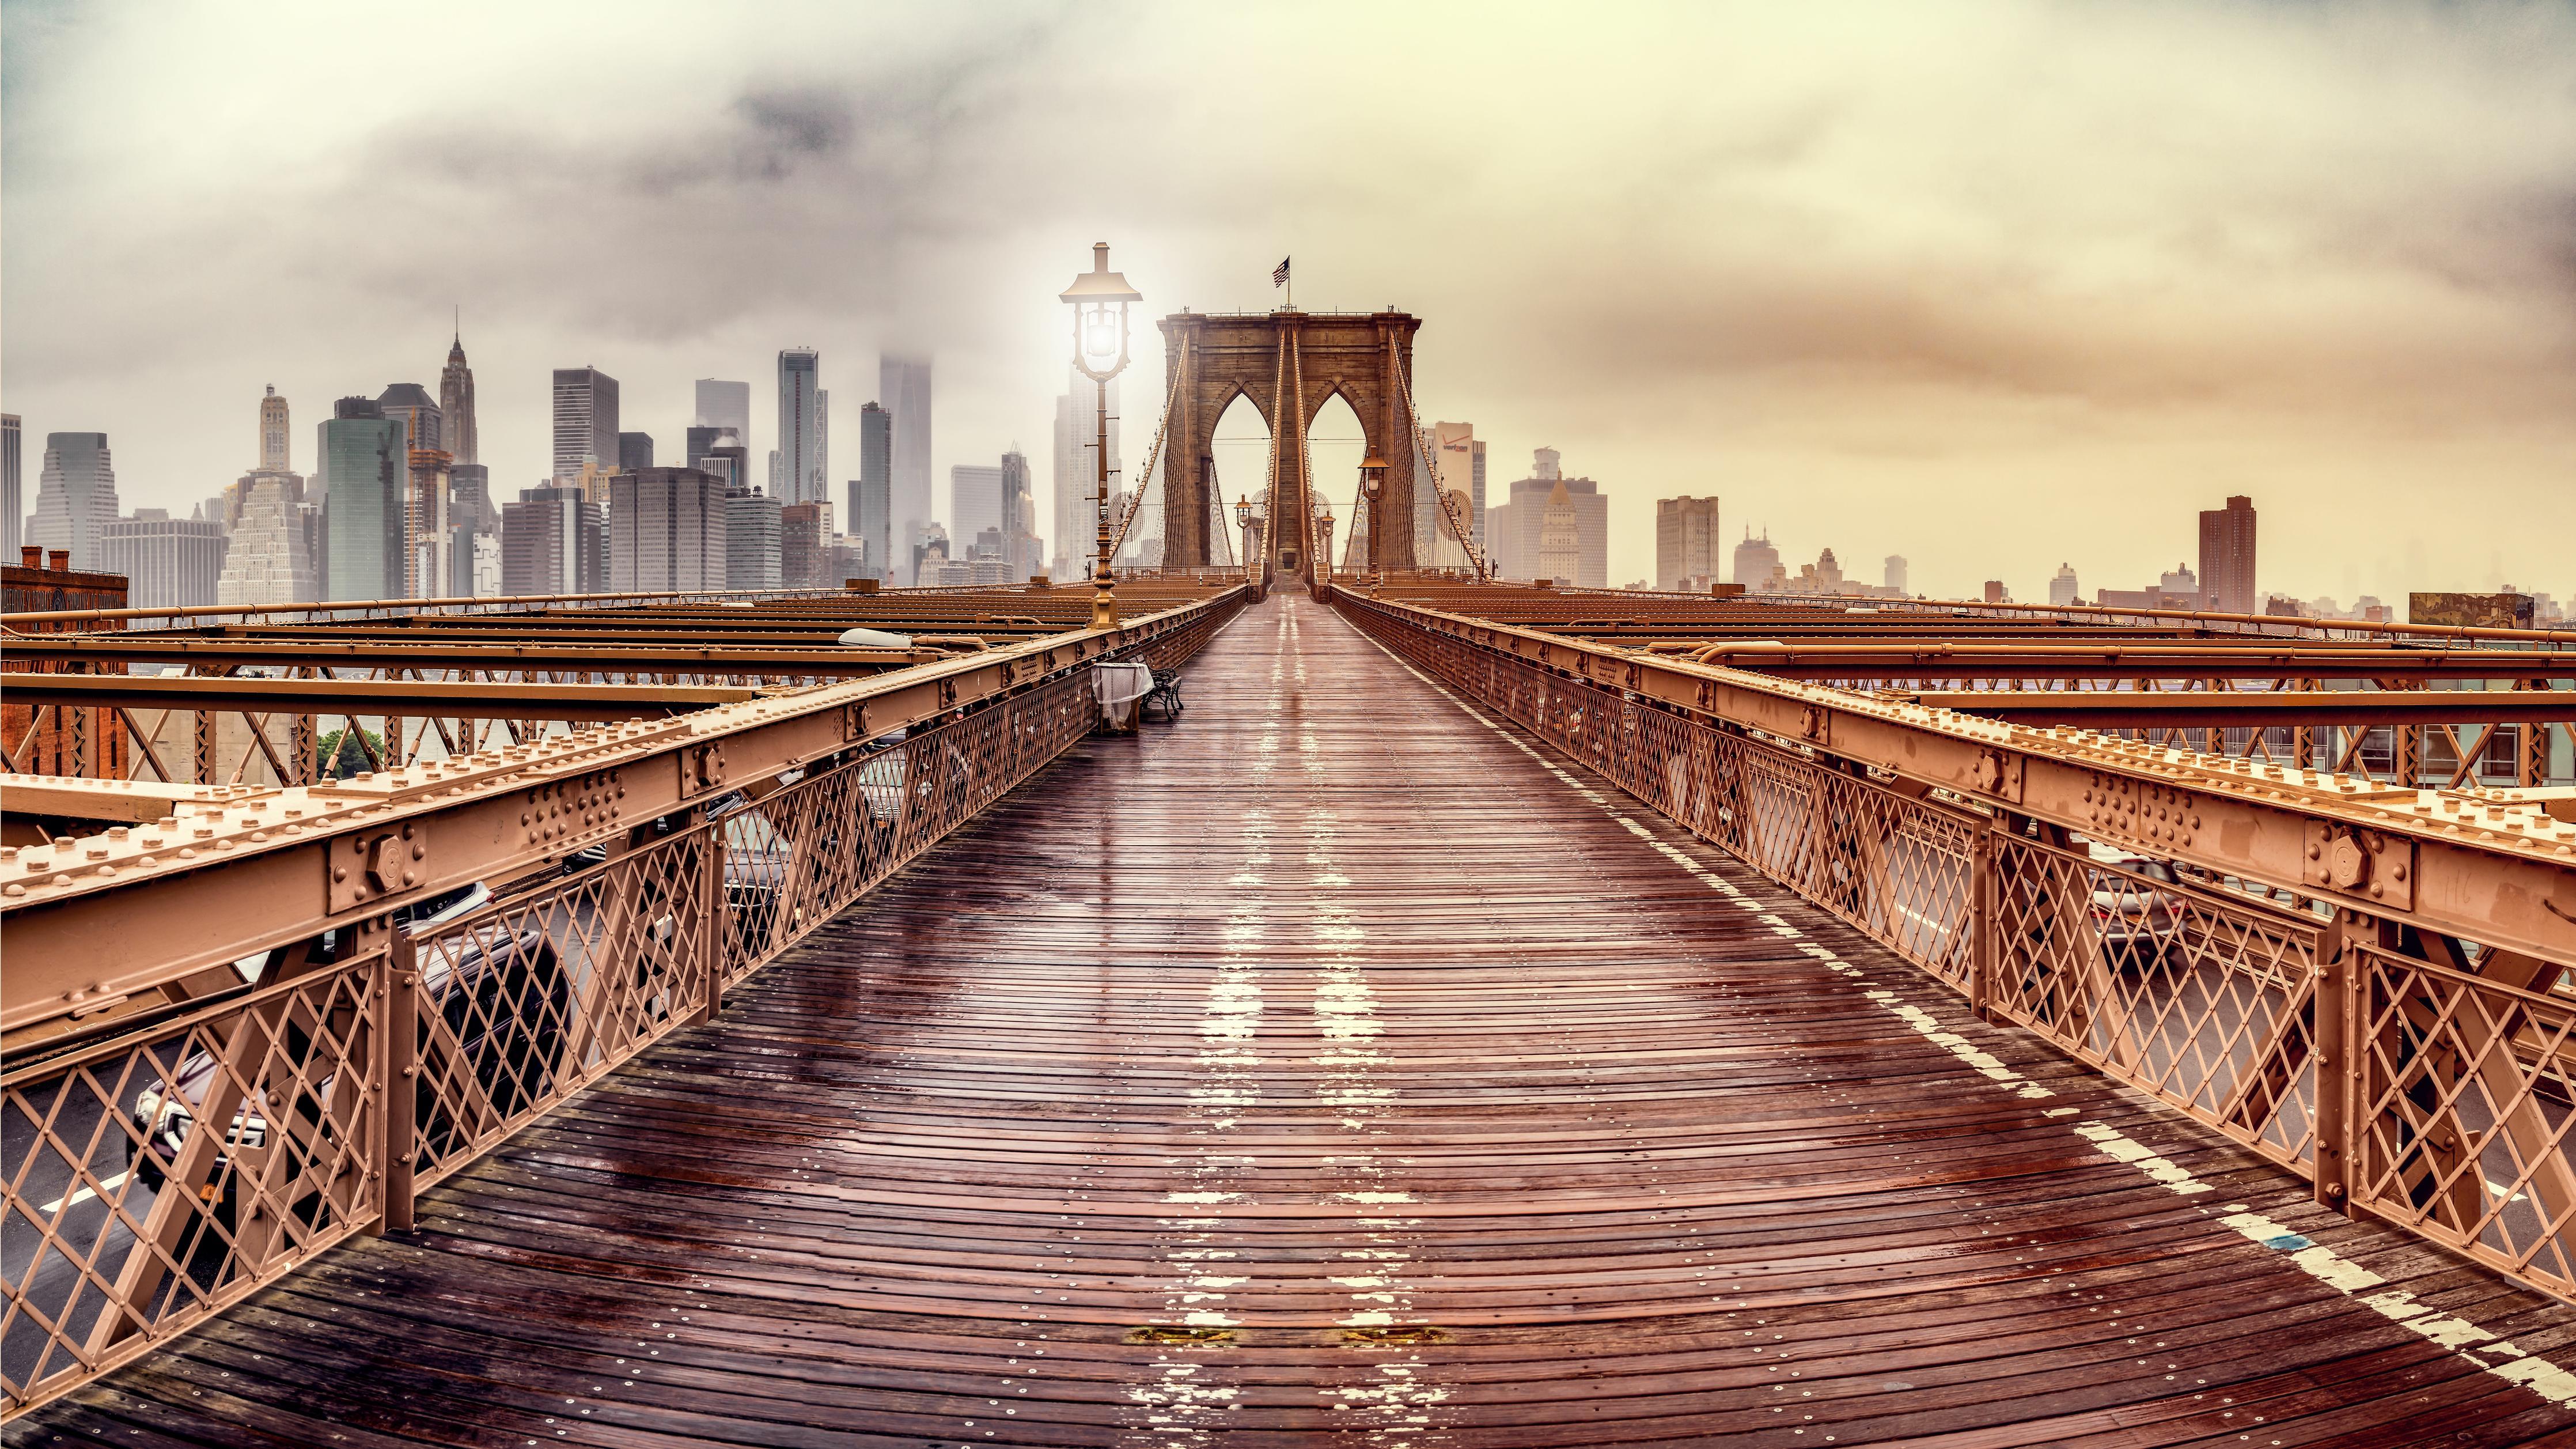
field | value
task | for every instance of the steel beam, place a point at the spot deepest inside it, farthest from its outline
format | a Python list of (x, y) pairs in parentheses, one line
[(475, 698)]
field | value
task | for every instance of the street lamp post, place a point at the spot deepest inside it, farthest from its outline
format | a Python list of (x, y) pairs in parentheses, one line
[(1099, 299), (1248, 517), (1324, 529), (1372, 484)]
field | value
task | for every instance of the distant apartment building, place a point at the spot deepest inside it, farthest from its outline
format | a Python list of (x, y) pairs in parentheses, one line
[(751, 539), (903, 386), (551, 543), (1686, 540), (666, 531), (2227, 557), (585, 422), (871, 499), (75, 498), (168, 563), (805, 546), (634, 452)]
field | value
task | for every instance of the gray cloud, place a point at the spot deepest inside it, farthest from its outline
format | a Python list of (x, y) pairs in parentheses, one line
[(1988, 284)]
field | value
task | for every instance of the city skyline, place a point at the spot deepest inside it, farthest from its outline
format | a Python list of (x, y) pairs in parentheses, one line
[(1822, 322)]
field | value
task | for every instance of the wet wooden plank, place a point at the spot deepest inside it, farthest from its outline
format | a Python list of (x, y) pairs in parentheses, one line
[(1330, 1023)]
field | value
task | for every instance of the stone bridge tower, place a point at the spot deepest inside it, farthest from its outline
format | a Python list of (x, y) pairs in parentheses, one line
[(1261, 355)]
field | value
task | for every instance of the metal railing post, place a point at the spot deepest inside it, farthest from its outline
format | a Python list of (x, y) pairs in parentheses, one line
[(712, 924), (1981, 920), (2337, 987), (397, 1147)]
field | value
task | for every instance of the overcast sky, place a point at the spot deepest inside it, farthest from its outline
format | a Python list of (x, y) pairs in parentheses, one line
[(1989, 285)]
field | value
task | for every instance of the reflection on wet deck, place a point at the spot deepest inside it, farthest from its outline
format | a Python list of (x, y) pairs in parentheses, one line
[(1334, 1063)]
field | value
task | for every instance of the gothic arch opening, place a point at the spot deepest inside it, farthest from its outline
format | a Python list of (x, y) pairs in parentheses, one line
[(1335, 446)]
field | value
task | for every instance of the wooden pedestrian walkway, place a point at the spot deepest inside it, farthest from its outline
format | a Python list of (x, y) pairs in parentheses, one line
[(1336, 1064)]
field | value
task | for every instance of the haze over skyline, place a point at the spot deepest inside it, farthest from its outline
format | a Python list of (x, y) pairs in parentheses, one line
[(1992, 285)]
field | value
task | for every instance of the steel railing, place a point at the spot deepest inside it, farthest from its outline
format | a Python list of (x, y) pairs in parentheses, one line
[(2433, 1096), (155, 1179)]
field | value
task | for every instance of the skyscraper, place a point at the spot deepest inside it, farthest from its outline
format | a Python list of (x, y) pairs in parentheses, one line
[(634, 452), (1020, 541), (11, 506), (2227, 557), (410, 404), (869, 499), (1756, 561), (666, 530), (274, 451), (805, 546), (585, 420), (550, 541), (168, 563), (428, 534), (1686, 541), (266, 561), (1519, 527), (723, 404), (751, 539), (974, 499), (363, 516), (456, 403), (1893, 574), (800, 436), (1461, 460), (903, 385), (2063, 589), (75, 497), (1077, 470)]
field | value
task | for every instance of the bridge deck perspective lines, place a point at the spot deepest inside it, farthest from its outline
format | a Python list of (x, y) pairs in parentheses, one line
[(1334, 1064)]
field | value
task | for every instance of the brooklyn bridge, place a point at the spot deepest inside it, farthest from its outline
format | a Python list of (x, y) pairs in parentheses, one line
[(1307, 995)]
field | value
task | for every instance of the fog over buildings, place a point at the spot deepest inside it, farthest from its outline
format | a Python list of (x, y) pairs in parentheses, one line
[(2059, 259)]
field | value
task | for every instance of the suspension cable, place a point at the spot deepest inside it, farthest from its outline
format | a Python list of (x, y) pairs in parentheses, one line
[(1458, 529), (1145, 477), (1305, 455)]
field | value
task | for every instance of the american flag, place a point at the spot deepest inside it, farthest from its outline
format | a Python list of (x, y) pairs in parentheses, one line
[(1279, 278)]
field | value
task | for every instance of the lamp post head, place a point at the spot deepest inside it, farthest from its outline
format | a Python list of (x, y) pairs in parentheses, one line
[(1099, 299), (1243, 511), (1373, 474)]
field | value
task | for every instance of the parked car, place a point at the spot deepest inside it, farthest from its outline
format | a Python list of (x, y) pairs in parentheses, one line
[(501, 994)]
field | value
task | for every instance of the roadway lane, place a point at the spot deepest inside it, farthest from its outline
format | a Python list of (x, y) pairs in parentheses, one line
[(1334, 1066)]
